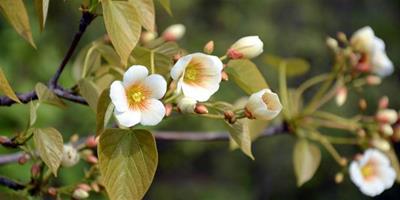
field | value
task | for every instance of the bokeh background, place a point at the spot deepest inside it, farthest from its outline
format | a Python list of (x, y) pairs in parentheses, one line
[(199, 170)]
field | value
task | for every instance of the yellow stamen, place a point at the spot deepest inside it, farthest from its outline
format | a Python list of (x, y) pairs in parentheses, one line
[(193, 72), (137, 94), (368, 170)]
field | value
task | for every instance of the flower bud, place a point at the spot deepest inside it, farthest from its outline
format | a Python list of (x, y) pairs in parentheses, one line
[(209, 47), (264, 105), (23, 159), (80, 194), (84, 186), (342, 37), (389, 116), (332, 43), (362, 103), (174, 32), (91, 142), (168, 109), (200, 109), (246, 47), (187, 104), (383, 102), (52, 191), (341, 96), (380, 144), (148, 36), (224, 76), (95, 187), (92, 159), (230, 117), (386, 129), (339, 178), (373, 80), (74, 138), (35, 170), (70, 156)]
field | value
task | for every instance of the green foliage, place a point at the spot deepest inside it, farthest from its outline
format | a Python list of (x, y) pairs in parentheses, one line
[(49, 144), (306, 160), (128, 161), (167, 6), (146, 13), (42, 7), (104, 111), (246, 75), (6, 88), (90, 92), (240, 134), (294, 66), (45, 95)]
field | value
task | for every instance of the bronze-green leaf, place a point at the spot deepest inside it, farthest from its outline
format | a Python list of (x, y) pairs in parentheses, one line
[(162, 63), (6, 88), (33, 112), (102, 108), (49, 144), (246, 75), (42, 6), (146, 12), (128, 161), (239, 133), (89, 92), (47, 96), (294, 66), (16, 14), (306, 159), (123, 26), (166, 5)]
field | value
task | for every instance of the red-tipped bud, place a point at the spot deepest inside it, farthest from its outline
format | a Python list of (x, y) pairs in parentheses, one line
[(23, 159), (91, 142), (224, 76), (168, 109), (52, 191), (341, 96), (383, 102), (389, 116), (85, 187), (373, 80), (209, 47), (200, 109), (92, 159)]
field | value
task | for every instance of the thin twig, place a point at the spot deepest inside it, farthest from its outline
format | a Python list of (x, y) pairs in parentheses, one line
[(11, 184)]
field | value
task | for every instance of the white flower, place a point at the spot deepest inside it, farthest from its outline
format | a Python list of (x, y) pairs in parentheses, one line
[(387, 116), (264, 105), (198, 75), (246, 47), (70, 156), (372, 172), (174, 32), (365, 41), (187, 104), (136, 97)]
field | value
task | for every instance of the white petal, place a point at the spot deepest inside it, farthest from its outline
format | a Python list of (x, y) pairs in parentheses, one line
[(355, 173), (157, 85), (118, 96), (379, 44), (153, 113), (387, 176), (198, 93), (372, 187), (180, 66), (382, 65), (128, 118), (134, 74)]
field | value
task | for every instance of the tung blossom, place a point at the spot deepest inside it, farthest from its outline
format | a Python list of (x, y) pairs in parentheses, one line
[(264, 105), (246, 47), (174, 32), (372, 172), (136, 97), (70, 156), (198, 75), (373, 48)]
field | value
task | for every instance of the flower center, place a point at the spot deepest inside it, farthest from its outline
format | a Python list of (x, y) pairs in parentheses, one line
[(136, 95), (368, 170), (268, 101), (193, 72)]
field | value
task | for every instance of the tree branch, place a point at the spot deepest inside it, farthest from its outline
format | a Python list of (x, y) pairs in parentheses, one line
[(11, 184)]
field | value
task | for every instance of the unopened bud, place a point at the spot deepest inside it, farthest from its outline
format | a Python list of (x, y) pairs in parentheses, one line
[(230, 117), (386, 129), (343, 161), (187, 105), (91, 142), (246, 47), (362, 103), (361, 133), (381, 144), (92, 159), (84, 186), (389, 116), (373, 80), (200, 109), (209, 47), (224, 76), (168, 109), (23, 159), (396, 133), (332, 43), (74, 138), (4, 139), (148, 36), (342, 37), (174, 32), (35, 170), (339, 178), (95, 187), (341, 96), (80, 194), (383, 102), (52, 191), (70, 156)]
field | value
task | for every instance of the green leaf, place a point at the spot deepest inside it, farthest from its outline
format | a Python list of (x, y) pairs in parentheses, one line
[(15, 12), (169, 49), (146, 12), (122, 23), (166, 4), (306, 159), (246, 75), (128, 161), (239, 133), (42, 6), (33, 112), (6, 88), (47, 96), (162, 63), (49, 144), (89, 92), (109, 54), (102, 108), (294, 66)]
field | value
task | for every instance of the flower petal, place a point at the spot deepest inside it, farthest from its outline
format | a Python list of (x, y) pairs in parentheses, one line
[(157, 85), (134, 74), (118, 96), (180, 66), (153, 113), (128, 118), (198, 93)]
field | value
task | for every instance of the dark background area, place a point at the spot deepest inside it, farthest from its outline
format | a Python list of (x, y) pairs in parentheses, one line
[(200, 170)]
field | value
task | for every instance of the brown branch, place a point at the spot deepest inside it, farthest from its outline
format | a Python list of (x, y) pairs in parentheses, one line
[(11, 184)]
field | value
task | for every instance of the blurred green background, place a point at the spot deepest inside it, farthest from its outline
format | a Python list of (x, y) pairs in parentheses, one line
[(199, 170)]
